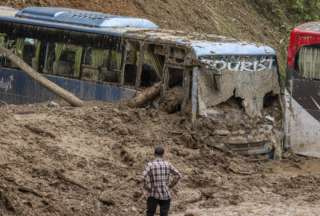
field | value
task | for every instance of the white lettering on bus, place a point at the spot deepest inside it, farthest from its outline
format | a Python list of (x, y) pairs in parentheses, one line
[(245, 66), (6, 84)]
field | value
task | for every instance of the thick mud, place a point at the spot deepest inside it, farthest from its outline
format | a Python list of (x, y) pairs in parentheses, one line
[(57, 160)]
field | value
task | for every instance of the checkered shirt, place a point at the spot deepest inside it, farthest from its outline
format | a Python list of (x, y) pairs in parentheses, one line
[(157, 176)]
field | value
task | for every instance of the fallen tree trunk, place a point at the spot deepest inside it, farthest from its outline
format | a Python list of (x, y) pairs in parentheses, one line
[(146, 95), (67, 96)]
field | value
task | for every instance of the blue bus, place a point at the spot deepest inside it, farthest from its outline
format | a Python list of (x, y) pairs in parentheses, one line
[(99, 56)]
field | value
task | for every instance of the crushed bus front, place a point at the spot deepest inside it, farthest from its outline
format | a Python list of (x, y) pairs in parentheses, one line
[(238, 88)]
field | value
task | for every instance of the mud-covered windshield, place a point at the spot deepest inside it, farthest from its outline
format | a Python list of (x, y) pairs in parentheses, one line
[(249, 78)]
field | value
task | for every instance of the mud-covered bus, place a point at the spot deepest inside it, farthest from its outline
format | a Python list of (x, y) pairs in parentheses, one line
[(99, 56), (303, 90)]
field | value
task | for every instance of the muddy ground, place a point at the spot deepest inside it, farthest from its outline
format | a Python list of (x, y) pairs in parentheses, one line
[(58, 160)]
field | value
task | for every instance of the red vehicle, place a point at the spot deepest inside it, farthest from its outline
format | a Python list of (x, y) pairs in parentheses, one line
[(303, 95)]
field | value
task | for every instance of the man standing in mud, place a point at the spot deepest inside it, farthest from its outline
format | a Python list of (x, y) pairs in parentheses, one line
[(157, 184)]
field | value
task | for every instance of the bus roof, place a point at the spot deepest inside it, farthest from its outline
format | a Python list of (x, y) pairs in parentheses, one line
[(35, 18), (309, 27), (82, 18), (204, 44), (7, 11), (204, 48)]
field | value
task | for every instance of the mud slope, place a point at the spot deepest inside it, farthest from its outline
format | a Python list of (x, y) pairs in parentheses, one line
[(238, 18), (88, 161)]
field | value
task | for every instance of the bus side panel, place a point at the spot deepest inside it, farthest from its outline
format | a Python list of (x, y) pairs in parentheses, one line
[(307, 94), (302, 129), (17, 88)]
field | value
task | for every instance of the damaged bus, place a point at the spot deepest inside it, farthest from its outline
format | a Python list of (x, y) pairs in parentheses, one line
[(98, 56), (303, 90)]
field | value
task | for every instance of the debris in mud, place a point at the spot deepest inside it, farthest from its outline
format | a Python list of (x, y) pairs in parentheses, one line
[(61, 176), (172, 101), (106, 200), (40, 131), (5, 203), (231, 129)]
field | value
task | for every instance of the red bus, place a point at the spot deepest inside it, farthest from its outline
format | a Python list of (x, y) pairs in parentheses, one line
[(303, 90)]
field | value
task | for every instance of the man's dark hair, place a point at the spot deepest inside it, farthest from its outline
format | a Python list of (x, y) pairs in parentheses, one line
[(159, 151)]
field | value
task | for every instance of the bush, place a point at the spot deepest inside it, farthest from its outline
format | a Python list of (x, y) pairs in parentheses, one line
[(298, 11), (304, 10)]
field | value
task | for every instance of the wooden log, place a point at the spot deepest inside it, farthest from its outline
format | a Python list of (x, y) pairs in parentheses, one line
[(67, 96), (146, 95), (40, 131), (66, 179)]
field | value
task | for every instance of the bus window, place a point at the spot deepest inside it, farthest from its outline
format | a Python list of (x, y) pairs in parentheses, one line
[(111, 64), (9, 43), (100, 65), (112, 72), (67, 60), (130, 74), (49, 58), (175, 77), (115, 60), (2, 39), (309, 62), (88, 71), (151, 70), (130, 71), (3, 61), (94, 60), (29, 50)]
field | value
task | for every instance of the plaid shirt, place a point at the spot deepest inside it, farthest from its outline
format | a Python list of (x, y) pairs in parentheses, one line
[(157, 178)]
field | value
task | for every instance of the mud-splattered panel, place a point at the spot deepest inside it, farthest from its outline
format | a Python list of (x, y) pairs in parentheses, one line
[(17, 88)]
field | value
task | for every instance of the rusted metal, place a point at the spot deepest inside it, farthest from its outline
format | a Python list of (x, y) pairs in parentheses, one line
[(194, 97)]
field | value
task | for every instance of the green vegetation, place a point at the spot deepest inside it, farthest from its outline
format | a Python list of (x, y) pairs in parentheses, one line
[(304, 10), (297, 11)]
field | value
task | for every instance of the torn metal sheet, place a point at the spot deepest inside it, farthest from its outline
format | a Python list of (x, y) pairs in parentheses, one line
[(302, 129)]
